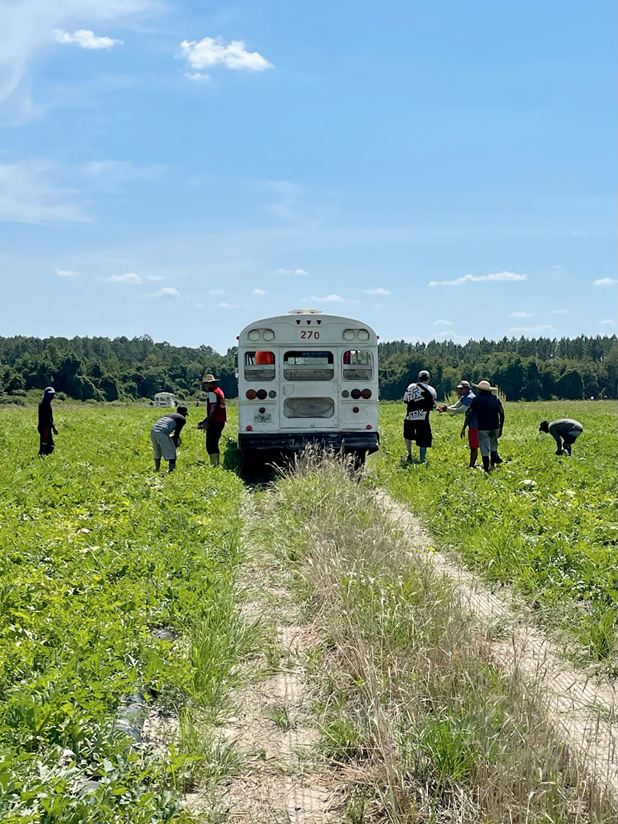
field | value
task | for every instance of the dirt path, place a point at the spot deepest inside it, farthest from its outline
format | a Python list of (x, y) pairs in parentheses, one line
[(280, 778), (582, 710)]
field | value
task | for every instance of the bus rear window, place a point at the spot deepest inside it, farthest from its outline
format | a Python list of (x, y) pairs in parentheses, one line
[(357, 365), (308, 366), (259, 366)]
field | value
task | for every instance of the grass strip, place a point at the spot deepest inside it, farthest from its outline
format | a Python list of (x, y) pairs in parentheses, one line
[(409, 700)]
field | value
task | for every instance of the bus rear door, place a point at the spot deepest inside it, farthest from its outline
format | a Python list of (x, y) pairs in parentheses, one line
[(310, 401)]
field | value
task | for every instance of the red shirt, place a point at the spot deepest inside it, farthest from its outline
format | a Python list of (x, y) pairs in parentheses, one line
[(216, 402)]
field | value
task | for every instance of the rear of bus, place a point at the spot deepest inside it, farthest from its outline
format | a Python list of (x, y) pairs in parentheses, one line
[(307, 378)]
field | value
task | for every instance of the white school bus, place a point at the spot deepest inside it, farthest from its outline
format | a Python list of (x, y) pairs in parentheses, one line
[(307, 377), (164, 399)]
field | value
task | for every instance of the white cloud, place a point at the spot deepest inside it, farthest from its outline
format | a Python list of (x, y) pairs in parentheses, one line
[(26, 30), (212, 51), (328, 299), (501, 276), (28, 196), (197, 76), (224, 306), (559, 312), (216, 291), (67, 273), (259, 292), (156, 277), (86, 39), (608, 322), (558, 266), (291, 272), (532, 330), (129, 277), (376, 292), (605, 281), (521, 314), (166, 292), (299, 272), (443, 323)]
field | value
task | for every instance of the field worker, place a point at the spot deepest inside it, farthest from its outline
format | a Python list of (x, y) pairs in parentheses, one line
[(490, 421), (466, 396), (215, 418), (46, 423), (420, 398), (165, 437), (565, 431)]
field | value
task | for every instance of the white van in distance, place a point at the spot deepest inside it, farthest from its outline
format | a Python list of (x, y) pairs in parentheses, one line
[(307, 378), (164, 399)]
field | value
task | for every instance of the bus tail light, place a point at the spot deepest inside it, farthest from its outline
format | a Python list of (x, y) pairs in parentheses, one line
[(369, 426), (249, 428), (355, 409), (355, 393), (366, 394), (262, 394), (250, 394)]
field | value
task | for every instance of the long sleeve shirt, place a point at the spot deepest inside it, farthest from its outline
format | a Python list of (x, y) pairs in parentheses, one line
[(489, 411), (461, 407), (46, 417)]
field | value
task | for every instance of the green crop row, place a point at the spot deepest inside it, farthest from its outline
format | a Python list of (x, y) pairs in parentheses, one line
[(545, 524), (96, 554)]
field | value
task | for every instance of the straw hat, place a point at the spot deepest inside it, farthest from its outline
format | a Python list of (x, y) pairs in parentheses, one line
[(485, 386), (209, 379)]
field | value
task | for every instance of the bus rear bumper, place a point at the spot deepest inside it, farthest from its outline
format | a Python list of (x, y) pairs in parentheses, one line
[(337, 441)]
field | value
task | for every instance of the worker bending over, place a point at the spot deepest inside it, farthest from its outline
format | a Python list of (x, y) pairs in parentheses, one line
[(564, 431), (165, 437)]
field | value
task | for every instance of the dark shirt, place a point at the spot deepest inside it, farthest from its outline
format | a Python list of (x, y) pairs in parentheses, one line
[(562, 427), (171, 423), (489, 411), (46, 416), (420, 400)]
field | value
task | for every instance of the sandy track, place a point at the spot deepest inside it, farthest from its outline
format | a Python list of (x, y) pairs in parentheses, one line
[(579, 708), (280, 780)]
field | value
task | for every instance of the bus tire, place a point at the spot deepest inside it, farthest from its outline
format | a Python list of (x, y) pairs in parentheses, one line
[(251, 460)]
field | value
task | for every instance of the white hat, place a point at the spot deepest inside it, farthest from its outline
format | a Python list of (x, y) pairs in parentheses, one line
[(485, 386)]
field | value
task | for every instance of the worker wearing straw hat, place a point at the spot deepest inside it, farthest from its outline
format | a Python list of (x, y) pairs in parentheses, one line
[(215, 419), (489, 412)]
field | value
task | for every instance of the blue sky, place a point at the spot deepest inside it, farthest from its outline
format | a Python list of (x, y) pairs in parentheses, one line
[(179, 169)]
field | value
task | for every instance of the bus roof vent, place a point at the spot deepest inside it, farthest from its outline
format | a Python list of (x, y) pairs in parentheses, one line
[(305, 312)]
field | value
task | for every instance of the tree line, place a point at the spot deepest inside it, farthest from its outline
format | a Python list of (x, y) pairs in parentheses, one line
[(123, 369)]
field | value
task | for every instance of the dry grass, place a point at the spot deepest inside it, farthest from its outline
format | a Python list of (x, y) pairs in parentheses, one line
[(411, 705)]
